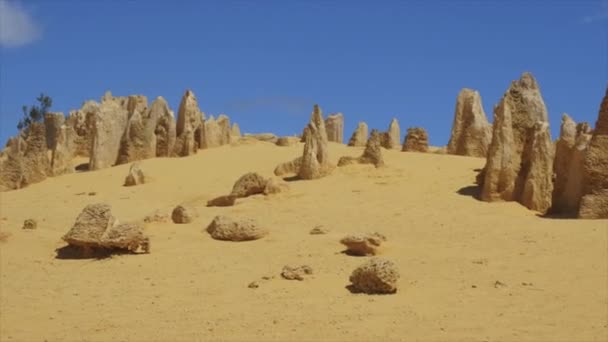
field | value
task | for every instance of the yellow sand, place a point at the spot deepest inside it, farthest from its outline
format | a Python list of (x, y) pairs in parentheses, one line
[(470, 271)]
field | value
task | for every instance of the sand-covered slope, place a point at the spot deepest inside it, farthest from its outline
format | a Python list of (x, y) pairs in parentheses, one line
[(470, 270)]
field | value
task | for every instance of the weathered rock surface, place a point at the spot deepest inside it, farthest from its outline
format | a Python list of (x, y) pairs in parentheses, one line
[(135, 176), (189, 126), (82, 122), (334, 125), (224, 228), (296, 272), (520, 152), (249, 184), (471, 131), (359, 137), (63, 152), (290, 167), (96, 227), (222, 201), (52, 124), (275, 186), (371, 155), (568, 167), (376, 276), (181, 215), (287, 141), (109, 124), (363, 243), (594, 202), (266, 137), (315, 158), (416, 140), (30, 224), (25, 161), (391, 139)]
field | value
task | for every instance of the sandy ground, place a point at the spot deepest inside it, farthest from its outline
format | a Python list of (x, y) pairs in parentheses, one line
[(470, 271)]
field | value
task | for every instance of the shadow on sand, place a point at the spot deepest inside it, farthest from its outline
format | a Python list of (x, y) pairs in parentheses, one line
[(70, 252), (471, 191)]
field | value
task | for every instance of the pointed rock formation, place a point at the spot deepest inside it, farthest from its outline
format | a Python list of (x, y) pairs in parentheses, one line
[(416, 140), (235, 133), (63, 152), (334, 125), (568, 167), (135, 176), (520, 157), (82, 122), (359, 137), (164, 127), (315, 158), (223, 122), (471, 131), (25, 161), (371, 155), (392, 138), (52, 124), (189, 126), (594, 202), (110, 121)]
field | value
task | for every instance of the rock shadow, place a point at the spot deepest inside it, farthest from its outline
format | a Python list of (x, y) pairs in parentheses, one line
[(82, 167), (471, 191), (352, 289), (70, 252)]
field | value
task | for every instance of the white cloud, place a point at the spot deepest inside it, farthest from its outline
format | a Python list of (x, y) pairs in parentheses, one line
[(601, 15), (17, 27)]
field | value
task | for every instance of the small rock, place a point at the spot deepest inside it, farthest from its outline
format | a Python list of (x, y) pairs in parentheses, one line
[(224, 228), (376, 276), (296, 273), (318, 230), (92, 193), (249, 184), (253, 285), (135, 176), (363, 244), (275, 186), (181, 214), (156, 216), (30, 224), (222, 201)]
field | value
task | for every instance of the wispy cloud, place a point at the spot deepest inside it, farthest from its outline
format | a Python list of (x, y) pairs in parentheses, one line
[(286, 104), (602, 14), (17, 26)]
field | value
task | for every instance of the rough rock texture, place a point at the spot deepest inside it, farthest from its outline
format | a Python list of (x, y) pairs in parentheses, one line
[(520, 152), (416, 140), (181, 214), (568, 167), (471, 131), (275, 186), (90, 225), (594, 202), (30, 224), (96, 227), (249, 184), (222, 201), (371, 155), (290, 167), (359, 137), (158, 216), (287, 141), (223, 123), (334, 125), (135, 176), (296, 272), (376, 276), (216, 132), (267, 137), (315, 158), (150, 132), (363, 244), (25, 161), (224, 228), (109, 124), (235, 133), (63, 152), (391, 139), (53, 123), (82, 122), (188, 126)]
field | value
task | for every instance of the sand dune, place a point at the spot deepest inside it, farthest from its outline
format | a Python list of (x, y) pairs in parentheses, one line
[(470, 270)]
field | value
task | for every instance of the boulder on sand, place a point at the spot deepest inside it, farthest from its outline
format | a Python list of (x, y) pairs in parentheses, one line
[(376, 276)]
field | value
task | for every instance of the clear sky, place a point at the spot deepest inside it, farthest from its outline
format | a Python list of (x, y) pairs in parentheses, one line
[(265, 62)]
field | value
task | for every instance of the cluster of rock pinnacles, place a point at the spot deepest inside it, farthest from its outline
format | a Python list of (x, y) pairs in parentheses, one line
[(568, 177)]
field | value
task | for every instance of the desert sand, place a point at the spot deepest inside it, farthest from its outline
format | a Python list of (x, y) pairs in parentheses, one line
[(470, 270)]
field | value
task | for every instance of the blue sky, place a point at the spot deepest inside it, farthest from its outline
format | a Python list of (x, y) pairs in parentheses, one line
[(265, 63)]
